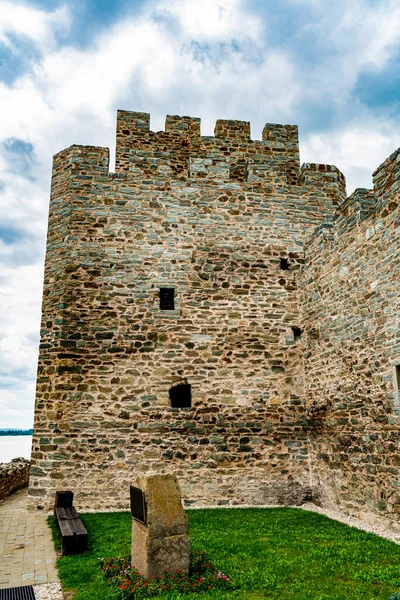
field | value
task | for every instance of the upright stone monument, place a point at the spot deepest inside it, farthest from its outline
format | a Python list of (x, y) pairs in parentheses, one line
[(161, 542)]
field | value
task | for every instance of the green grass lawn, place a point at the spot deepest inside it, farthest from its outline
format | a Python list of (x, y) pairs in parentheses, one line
[(280, 553)]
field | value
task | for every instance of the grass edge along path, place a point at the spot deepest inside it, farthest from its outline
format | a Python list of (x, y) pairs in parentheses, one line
[(276, 553)]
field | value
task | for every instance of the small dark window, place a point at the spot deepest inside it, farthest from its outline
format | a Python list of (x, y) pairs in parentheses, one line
[(167, 299), (296, 333), (181, 395), (284, 264), (397, 377)]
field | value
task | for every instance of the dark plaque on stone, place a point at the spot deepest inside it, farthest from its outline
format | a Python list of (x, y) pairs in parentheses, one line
[(138, 504)]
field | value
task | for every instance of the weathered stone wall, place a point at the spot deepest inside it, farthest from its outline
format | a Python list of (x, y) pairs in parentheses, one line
[(222, 220), (351, 291), (13, 476)]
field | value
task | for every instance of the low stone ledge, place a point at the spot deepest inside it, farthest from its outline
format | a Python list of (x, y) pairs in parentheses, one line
[(13, 476)]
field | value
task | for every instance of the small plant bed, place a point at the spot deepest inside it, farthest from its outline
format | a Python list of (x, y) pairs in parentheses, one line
[(280, 553), (202, 577)]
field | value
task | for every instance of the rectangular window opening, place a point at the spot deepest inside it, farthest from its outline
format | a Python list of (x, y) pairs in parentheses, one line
[(284, 264), (181, 395), (397, 378), (297, 333), (167, 299)]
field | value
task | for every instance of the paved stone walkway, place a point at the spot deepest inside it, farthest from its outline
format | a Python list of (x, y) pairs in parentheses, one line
[(27, 555)]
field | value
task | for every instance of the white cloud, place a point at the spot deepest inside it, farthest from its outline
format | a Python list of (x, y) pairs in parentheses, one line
[(20, 298), (349, 38), (357, 149), (19, 20), (24, 204), (20, 301), (212, 19), (16, 403), (370, 31)]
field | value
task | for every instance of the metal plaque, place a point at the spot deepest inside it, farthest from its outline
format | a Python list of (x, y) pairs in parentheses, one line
[(138, 504)]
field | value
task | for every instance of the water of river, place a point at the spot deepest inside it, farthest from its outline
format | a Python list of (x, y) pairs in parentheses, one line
[(12, 446)]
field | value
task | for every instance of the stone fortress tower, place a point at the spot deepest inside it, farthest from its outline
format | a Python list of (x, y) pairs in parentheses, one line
[(214, 310)]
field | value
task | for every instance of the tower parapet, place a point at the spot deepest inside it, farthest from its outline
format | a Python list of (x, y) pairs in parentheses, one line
[(386, 179), (81, 160), (354, 209), (324, 177), (181, 152)]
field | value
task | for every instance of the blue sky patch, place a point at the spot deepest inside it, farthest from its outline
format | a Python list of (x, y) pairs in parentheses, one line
[(91, 17), (16, 58), (20, 156), (380, 89), (10, 235)]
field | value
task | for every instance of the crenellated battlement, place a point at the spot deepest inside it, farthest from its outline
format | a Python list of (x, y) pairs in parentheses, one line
[(366, 203), (180, 151), (180, 156)]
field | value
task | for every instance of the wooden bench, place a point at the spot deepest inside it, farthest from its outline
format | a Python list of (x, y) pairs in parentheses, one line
[(74, 537)]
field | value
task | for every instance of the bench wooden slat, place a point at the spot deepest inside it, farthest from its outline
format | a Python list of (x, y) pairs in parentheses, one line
[(67, 513), (79, 527), (74, 536), (66, 529)]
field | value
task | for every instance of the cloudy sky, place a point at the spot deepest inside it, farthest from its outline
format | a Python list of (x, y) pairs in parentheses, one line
[(65, 68)]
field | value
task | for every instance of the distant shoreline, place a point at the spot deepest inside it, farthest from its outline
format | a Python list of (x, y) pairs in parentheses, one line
[(16, 432)]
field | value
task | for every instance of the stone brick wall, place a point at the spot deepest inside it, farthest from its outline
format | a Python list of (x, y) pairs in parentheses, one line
[(351, 290), (223, 221), (13, 476)]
